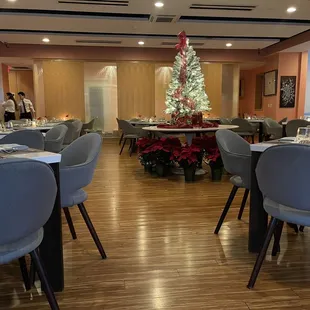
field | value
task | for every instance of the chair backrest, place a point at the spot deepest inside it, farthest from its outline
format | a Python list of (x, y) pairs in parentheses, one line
[(283, 175), (27, 198), (78, 127), (32, 138), (293, 125), (70, 132), (283, 120), (271, 127), (89, 125), (236, 154), (225, 121), (81, 155), (127, 128), (244, 125), (54, 138)]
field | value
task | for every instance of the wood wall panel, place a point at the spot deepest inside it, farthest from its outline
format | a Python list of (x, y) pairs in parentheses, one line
[(64, 89), (22, 80), (213, 81), (136, 89), (163, 73), (5, 79)]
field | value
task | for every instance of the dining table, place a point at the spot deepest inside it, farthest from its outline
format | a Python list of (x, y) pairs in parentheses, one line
[(188, 132), (51, 248), (258, 219)]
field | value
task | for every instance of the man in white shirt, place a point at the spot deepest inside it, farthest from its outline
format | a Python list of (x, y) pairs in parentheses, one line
[(25, 106)]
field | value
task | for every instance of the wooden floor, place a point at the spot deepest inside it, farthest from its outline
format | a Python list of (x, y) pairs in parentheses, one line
[(162, 253)]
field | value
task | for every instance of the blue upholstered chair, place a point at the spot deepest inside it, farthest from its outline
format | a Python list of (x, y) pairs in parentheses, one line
[(88, 126), (285, 188), (23, 215), (69, 137), (32, 138), (273, 130), (54, 138), (236, 156), (77, 167)]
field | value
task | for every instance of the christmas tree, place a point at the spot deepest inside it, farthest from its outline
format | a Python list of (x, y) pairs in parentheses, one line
[(186, 94)]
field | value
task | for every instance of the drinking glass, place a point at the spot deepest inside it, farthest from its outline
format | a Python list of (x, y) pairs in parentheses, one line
[(303, 135)]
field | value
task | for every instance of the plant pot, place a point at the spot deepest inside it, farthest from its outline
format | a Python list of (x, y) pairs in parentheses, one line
[(216, 173), (162, 170), (189, 173)]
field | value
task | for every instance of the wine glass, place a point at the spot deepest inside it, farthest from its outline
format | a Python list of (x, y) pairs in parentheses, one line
[(303, 135)]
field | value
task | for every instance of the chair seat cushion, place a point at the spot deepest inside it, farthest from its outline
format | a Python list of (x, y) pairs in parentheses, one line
[(131, 136), (287, 214), (12, 251), (245, 133), (237, 181), (70, 200)]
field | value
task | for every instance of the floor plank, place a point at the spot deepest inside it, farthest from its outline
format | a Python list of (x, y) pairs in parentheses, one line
[(162, 253)]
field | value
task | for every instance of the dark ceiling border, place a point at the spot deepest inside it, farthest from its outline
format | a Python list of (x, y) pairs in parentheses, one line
[(135, 35)]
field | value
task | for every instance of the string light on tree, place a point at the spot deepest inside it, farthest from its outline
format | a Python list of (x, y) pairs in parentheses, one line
[(186, 94)]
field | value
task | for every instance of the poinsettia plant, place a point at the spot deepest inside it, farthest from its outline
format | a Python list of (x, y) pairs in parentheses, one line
[(155, 151), (187, 155), (210, 147)]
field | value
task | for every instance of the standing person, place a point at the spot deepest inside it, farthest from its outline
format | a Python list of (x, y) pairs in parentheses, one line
[(26, 107), (10, 106)]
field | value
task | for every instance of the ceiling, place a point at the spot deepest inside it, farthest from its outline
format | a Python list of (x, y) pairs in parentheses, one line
[(247, 24)]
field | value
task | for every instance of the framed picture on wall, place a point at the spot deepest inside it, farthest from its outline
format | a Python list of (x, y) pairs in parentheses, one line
[(287, 91), (270, 83)]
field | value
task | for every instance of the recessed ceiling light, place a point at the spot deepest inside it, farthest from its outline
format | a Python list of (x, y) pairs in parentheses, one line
[(141, 42), (45, 40), (11, 0), (159, 4), (291, 9), (228, 44)]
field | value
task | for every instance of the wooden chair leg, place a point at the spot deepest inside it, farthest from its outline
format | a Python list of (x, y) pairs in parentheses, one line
[(45, 283), (262, 253), (24, 271), (130, 146), (70, 223), (227, 206), (252, 139), (277, 238), (133, 146), (245, 197), (32, 273), (121, 139), (92, 230), (120, 153)]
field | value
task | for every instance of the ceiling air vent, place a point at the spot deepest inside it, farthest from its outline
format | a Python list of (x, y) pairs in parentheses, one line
[(175, 43), (99, 41), (96, 2), (164, 18), (219, 7)]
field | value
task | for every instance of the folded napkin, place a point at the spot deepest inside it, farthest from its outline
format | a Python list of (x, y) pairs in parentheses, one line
[(12, 147)]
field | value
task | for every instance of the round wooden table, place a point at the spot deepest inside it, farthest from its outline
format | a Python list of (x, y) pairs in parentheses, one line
[(188, 132)]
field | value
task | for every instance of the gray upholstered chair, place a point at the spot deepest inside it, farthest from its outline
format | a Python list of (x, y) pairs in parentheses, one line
[(130, 133), (32, 138), (77, 167), (245, 129), (293, 125), (273, 130), (54, 138), (78, 127), (88, 126), (225, 121), (283, 178), (236, 156), (24, 215), (70, 133)]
